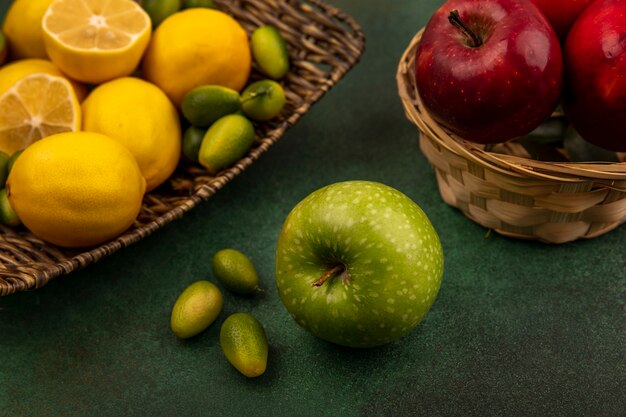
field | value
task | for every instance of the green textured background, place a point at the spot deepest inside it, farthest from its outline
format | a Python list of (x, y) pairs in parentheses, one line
[(518, 329)]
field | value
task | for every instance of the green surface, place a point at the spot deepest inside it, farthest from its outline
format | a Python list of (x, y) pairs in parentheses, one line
[(518, 329)]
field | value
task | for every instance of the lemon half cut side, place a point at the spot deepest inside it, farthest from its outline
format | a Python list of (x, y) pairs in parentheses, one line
[(37, 106), (94, 41)]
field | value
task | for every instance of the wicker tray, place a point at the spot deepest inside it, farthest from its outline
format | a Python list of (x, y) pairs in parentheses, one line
[(512, 194), (324, 44)]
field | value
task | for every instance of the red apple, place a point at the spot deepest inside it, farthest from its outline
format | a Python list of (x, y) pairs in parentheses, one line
[(595, 74), (562, 13), (489, 70)]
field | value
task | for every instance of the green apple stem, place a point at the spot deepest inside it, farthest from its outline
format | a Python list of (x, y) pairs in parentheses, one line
[(455, 19), (328, 274)]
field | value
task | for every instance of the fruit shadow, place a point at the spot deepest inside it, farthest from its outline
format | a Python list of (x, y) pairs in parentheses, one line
[(338, 356), (336, 360)]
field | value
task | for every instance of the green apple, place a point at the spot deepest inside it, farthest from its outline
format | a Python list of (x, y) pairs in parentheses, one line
[(358, 264)]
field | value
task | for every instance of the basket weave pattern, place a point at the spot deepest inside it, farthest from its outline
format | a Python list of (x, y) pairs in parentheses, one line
[(324, 44), (510, 193)]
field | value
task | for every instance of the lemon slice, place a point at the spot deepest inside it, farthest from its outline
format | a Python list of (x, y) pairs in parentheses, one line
[(96, 40), (37, 106)]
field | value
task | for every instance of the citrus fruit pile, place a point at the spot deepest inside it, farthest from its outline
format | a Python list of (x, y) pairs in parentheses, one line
[(93, 100)]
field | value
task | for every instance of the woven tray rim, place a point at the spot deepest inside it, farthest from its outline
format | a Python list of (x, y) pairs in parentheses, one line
[(22, 277), (604, 173)]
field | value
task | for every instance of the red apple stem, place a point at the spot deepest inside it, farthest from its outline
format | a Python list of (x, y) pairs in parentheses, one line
[(328, 274), (455, 19)]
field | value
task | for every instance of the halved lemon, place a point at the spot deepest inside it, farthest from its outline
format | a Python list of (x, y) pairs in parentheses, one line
[(37, 106), (96, 40), (16, 70)]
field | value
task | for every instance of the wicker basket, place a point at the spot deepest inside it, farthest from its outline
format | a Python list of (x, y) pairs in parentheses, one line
[(324, 44), (512, 194)]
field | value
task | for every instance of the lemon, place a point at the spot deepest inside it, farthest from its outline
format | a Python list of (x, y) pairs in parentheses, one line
[(263, 100), (244, 344), (197, 47), (226, 142), (94, 41), (270, 51), (37, 106), (204, 105), (22, 28), (76, 189), (195, 309), (15, 71), (139, 116)]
